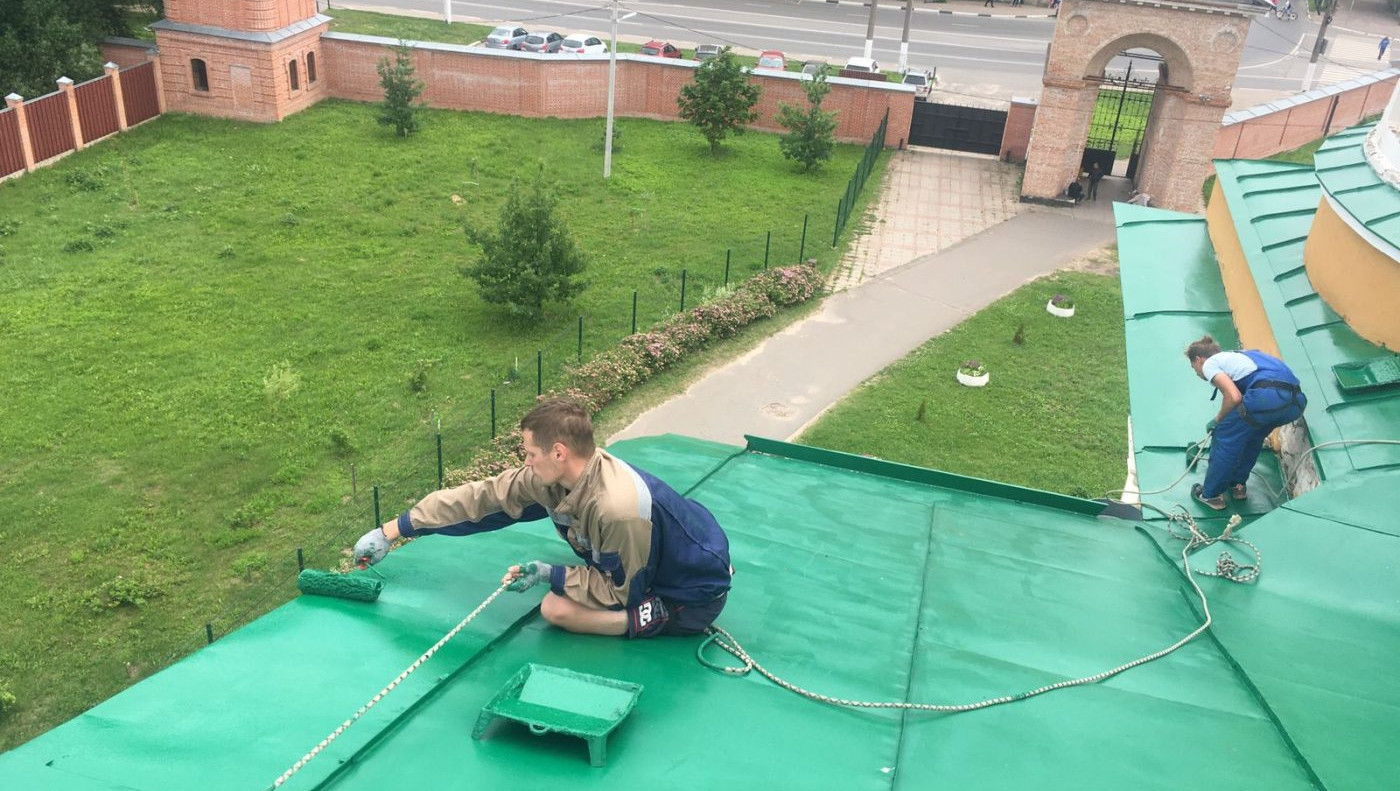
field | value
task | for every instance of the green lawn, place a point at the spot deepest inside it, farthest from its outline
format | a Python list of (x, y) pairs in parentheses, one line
[(209, 329), (1054, 415), (1131, 116), (407, 28)]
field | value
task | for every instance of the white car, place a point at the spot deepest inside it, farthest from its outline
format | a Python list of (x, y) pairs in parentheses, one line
[(867, 65), (922, 81), (583, 44)]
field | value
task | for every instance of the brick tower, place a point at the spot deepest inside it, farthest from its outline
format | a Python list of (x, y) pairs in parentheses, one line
[(257, 60)]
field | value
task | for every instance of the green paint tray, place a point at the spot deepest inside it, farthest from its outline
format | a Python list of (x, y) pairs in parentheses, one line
[(1367, 374), (555, 700)]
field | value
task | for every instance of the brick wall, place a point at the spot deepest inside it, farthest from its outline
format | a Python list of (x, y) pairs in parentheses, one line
[(1263, 131), (247, 80), (1016, 138), (462, 78), (127, 52), (250, 15)]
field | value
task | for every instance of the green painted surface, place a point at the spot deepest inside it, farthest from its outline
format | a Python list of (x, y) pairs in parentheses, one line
[(1272, 205), (1345, 174), (848, 582)]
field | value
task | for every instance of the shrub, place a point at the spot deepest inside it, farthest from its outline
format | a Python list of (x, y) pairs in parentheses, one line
[(87, 181), (122, 591), (8, 227), (7, 698), (79, 246), (1062, 301), (281, 381), (341, 441), (972, 368)]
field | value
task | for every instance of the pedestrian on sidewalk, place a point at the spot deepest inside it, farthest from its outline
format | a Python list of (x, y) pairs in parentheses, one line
[(989, 3), (1095, 176), (1385, 42)]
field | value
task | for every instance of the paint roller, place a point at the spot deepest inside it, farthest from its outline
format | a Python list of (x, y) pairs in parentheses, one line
[(339, 586)]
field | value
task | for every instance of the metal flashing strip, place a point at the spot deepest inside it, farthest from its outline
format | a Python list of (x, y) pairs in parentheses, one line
[(923, 475)]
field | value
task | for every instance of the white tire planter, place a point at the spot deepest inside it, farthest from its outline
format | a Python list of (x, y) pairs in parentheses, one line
[(974, 381), (1063, 313)]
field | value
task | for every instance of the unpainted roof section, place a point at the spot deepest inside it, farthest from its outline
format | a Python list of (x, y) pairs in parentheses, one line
[(1272, 205)]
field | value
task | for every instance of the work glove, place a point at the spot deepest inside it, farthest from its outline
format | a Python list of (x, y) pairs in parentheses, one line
[(527, 574), (1210, 425), (371, 548)]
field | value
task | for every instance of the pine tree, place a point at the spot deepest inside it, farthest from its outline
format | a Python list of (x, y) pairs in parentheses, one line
[(401, 90), (720, 99), (811, 133), (529, 259)]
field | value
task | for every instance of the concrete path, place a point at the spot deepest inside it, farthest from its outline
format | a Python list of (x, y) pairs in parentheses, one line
[(790, 379)]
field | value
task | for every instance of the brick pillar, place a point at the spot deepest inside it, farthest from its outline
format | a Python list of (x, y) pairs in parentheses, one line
[(115, 75), (65, 84), (160, 84), (16, 103), (1016, 138)]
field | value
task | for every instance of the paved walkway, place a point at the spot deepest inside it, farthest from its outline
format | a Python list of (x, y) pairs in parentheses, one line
[(779, 387), (929, 202)]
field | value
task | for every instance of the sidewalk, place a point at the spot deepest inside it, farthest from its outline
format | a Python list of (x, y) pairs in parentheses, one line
[(791, 378)]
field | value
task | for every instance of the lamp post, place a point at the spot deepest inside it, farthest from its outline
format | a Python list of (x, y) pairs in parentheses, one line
[(612, 91)]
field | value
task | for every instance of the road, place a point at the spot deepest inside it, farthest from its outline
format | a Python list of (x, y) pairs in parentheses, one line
[(976, 57)]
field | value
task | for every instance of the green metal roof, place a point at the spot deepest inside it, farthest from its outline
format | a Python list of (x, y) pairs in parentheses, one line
[(1345, 174), (1172, 295), (1272, 205), (855, 578)]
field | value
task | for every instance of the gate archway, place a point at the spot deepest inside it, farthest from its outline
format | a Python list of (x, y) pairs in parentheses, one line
[(1199, 45)]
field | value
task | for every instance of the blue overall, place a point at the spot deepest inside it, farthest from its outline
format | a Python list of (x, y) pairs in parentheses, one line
[(1272, 398)]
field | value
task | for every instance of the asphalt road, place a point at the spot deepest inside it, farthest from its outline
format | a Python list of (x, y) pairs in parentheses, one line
[(978, 57)]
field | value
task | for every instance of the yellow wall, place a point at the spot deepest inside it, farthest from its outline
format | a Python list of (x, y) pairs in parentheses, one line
[(1359, 282), (1250, 320)]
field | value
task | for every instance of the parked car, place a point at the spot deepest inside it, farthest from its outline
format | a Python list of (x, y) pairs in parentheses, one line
[(541, 42), (708, 51), (922, 80), (506, 37), (813, 66), (867, 65), (658, 49), (771, 60), (583, 44)]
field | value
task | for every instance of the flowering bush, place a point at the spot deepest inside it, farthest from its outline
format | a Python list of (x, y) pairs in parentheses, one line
[(614, 372), (1062, 301), (972, 368)]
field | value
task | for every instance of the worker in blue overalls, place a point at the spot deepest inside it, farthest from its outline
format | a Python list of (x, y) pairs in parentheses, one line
[(1260, 394)]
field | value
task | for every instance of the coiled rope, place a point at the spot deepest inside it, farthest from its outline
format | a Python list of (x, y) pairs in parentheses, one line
[(305, 759), (1226, 568)]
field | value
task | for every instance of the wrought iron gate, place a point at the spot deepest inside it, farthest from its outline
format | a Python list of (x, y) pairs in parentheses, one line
[(957, 127), (1119, 123)]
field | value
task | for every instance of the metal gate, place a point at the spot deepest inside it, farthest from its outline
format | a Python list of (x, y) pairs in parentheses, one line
[(1120, 122), (960, 128)]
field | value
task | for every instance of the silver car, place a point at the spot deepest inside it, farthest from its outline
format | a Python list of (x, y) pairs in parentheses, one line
[(506, 37), (540, 42), (708, 51)]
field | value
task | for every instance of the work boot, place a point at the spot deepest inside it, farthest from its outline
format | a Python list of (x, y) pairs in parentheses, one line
[(1216, 503), (1239, 492)]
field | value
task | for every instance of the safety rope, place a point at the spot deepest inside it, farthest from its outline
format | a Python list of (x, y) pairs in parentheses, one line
[(1225, 569), (305, 759)]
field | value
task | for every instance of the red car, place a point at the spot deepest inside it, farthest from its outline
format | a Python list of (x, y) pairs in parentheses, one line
[(771, 60), (658, 49)]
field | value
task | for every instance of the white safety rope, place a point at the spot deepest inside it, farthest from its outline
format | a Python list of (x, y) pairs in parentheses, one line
[(1195, 540), (305, 759)]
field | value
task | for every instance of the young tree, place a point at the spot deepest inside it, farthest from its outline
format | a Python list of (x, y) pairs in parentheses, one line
[(812, 132), (720, 99), (529, 259), (401, 90)]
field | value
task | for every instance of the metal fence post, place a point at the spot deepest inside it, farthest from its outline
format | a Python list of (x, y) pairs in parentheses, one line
[(802, 248), (634, 312), (493, 413), (377, 520), (767, 243), (439, 454), (682, 291), (726, 267), (301, 561), (836, 226), (539, 372), (580, 339)]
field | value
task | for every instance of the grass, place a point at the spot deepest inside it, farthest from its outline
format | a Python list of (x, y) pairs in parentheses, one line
[(1302, 155), (1054, 415), (406, 28), (1131, 119), (218, 335)]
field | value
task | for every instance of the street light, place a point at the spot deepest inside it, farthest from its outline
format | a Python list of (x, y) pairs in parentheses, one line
[(612, 91)]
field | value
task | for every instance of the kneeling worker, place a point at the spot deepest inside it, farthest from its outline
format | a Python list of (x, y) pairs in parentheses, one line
[(654, 562), (1260, 395)]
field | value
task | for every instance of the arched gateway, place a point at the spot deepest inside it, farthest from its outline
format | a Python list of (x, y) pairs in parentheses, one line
[(1199, 46)]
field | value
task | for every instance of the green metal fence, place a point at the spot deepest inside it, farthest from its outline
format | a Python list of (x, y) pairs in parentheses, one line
[(853, 187)]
